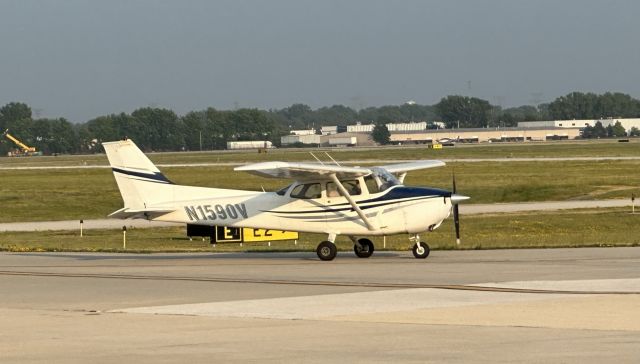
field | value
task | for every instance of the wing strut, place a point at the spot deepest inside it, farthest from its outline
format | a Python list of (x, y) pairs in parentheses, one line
[(355, 206)]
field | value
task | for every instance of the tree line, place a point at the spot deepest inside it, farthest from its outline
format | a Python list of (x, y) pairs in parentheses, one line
[(160, 129)]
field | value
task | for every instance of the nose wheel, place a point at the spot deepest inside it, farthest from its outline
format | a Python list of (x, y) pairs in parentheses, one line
[(421, 250)]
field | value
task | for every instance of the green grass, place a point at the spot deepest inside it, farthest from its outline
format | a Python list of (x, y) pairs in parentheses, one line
[(572, 228), (36, 195), (58, 194)]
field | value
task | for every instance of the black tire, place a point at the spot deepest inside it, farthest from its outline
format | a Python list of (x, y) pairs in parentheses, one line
[(424, 253), (365, 250), (326, 250)]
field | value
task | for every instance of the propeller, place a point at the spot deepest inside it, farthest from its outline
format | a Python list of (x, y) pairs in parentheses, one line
[(456, 213)]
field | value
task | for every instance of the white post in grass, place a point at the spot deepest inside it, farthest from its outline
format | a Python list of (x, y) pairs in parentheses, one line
[(633, 203), (384, 242), (124, 237), (81, 222)]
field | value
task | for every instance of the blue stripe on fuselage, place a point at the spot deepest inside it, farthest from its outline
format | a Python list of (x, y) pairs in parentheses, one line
[(156, 176), (401, 192), (394, 195)]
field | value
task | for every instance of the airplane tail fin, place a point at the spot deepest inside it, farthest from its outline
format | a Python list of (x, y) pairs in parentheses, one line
[(140, 182)]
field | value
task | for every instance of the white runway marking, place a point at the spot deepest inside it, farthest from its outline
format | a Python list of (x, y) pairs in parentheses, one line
[(428, 306), (594, 285), (327, 306)]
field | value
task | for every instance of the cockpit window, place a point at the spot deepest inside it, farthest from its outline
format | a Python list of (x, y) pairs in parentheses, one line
[(306, 191), (283, 190), (383, 180), (371, 183)]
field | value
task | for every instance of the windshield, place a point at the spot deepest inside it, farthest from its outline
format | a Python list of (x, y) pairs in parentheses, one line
[(283, 190), (384, 179)]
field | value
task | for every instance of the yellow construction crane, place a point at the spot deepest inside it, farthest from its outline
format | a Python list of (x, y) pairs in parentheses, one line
[(24, 149)]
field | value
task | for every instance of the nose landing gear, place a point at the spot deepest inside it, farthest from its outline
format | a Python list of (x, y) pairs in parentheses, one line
[(421, 250)]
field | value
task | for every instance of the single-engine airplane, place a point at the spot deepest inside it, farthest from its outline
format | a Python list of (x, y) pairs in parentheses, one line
[(328, 199)]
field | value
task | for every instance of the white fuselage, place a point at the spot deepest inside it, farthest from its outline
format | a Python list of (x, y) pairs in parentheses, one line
[(397, 210)]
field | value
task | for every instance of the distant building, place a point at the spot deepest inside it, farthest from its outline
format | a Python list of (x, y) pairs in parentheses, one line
[(303, 132), (481, 135), (249, 145), (304, 139), (407, 126), (337, 139), (328, 130), (627, 123), (360, 128), (343, 141)]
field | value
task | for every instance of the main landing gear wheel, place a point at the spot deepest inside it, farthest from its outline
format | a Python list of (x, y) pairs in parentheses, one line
[(326, 250), (421, 250), (365, 249)]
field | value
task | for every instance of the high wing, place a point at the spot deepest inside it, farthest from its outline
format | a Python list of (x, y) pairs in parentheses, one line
[(412, 166), (303, 171)]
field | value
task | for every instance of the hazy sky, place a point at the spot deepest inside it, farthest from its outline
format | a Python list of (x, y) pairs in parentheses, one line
[(81, 59)]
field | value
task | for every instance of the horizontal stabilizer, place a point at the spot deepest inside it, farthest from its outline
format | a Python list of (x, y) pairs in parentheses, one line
[(127, 213)]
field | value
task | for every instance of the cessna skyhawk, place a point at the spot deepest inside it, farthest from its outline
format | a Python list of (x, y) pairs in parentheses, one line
[(328, 199)]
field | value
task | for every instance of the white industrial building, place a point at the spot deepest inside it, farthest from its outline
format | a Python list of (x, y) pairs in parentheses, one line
[(627, 123), (304, 139), (482, 135), (360, 128), (368, 128), (333, 140), (303, 132), (328, 130), (257, 144)]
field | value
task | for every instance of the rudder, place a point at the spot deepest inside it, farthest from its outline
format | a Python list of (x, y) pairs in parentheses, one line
[(140, 182)]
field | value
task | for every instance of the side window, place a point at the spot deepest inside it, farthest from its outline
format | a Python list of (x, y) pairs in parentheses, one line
[(310, 190), (352, 186), (371, 183), (332, 190), (313, 191)]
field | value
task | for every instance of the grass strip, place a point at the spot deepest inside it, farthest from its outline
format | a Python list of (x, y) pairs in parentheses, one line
[(569, 228)]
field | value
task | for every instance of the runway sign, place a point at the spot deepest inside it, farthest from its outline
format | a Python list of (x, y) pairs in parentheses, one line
[(268, 235), (225, 234)]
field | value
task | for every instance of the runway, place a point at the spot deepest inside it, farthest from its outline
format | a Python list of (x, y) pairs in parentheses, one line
[(350, 162), (466, 209), (557, 305)]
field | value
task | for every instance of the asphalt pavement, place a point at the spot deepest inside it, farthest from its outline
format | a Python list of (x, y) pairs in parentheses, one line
[(555, 305)]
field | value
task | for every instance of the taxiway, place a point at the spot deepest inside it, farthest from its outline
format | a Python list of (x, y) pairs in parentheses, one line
[(560, 305)]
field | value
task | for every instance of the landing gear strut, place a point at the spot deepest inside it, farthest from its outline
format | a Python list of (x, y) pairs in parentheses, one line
[(363, 248)]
